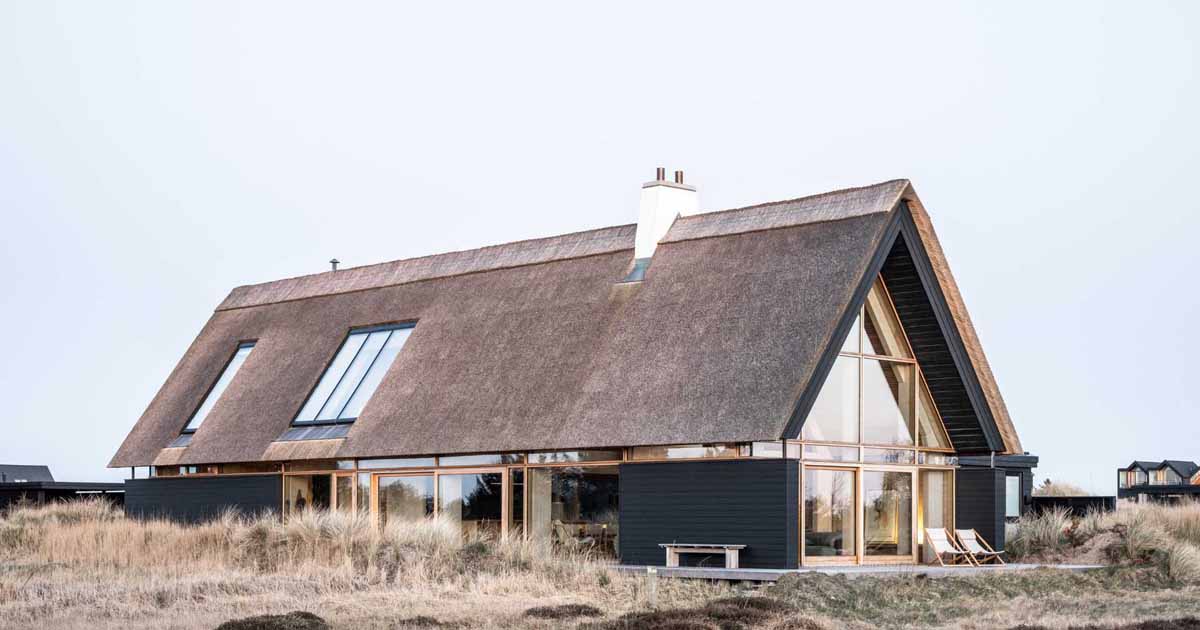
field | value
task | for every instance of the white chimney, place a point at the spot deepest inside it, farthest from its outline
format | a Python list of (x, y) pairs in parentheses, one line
[(662, 203)]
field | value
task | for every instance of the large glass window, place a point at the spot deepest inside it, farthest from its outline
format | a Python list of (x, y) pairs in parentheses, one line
[(887, 513), (937, 499), (303, 492), (352, 377), (473, 502), (834, 415), (218, 388), (887, 402), (575, 506), (828, 513), (405, 498), (873, 393)]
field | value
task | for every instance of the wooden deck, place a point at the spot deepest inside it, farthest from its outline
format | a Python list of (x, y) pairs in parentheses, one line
[(771, 575)]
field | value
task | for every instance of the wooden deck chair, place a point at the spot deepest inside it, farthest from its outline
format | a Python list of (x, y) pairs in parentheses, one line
[(978, 548), (944, 548)]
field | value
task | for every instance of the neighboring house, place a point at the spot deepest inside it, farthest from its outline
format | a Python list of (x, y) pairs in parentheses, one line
[(1167, 481), (800, 377), (35, 484)]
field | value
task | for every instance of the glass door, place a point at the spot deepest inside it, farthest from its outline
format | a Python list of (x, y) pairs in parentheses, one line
[(830, 529), (888, 511)]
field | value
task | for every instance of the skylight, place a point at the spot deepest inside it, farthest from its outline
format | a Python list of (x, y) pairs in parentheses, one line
[(218, 388), (356, 371)]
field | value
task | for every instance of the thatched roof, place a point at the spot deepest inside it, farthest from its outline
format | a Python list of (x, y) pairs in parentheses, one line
[(536, 345)]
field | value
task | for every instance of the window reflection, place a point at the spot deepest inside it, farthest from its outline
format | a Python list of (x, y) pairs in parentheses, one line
[(834, 415), (575, 507), (828, 513)]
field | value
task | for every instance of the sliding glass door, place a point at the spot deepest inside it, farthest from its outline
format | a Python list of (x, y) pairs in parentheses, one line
[(829, 514), (887, 514), (858, 514)]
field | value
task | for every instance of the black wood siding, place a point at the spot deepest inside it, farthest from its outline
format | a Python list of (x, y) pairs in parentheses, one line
[(979, 497), (198, 499), (932, 350), (746, 502)]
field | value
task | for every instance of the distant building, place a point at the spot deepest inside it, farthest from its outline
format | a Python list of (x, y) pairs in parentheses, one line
[(35, 484), (1167, 481)]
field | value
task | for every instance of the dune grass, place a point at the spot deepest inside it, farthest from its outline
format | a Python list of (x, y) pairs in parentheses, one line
[(85, 566)]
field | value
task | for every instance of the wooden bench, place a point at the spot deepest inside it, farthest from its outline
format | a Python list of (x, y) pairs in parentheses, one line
[(674, 549)]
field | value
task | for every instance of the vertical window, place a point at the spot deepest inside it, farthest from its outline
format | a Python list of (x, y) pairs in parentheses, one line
[(1012, 496), (218, 388), (353, 375)]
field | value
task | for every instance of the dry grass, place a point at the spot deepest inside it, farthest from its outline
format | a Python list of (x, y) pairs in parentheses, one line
[(84, 565), (1058, 489), (1162, 536)]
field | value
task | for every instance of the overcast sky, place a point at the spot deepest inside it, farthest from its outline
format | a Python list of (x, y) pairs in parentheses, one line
[(155, 155)]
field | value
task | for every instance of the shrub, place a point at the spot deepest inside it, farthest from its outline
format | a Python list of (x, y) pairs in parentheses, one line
[(1039, 534)]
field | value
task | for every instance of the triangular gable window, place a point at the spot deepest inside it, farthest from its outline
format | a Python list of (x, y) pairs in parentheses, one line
[(874, 393)]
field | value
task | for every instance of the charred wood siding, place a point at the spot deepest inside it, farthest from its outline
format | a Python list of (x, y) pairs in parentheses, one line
[(748, 502), (932, 350), (979, 503), (198, 499)]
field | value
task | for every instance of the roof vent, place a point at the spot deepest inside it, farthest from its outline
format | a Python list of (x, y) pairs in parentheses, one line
[(662, 202), (333, 262)]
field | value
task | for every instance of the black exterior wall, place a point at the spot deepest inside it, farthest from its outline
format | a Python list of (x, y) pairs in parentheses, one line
[(979, 503), (192, 500), (745, 502)]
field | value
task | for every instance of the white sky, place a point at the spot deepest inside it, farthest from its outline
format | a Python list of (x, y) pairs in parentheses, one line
[(154, 155)]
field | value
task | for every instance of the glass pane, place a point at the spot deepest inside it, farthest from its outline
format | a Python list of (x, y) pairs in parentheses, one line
[(831, 453), (889, 456), (694, 451), (1012, 496), (851, 344), (834, 416), (574, 456), (887, 402), (516, 508), (376, 373), (364, 492), (937, 500), (887, 513), (407, 462), (223, 381), (575, 507), (766, 449), (344, 488), (301, 492), (330, 378), (481, 460), (929, 424), (354, 374), (882, 334), (828, 513), (472, 502), (405, 498)]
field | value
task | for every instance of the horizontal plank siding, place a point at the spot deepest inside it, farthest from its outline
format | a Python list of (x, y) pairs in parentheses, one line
[(745, 502), (199, 499), (979, 503), (932, 351)]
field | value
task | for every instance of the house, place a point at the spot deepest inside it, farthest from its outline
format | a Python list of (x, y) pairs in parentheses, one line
[(800, 377), (36, 485), (1167, 481)]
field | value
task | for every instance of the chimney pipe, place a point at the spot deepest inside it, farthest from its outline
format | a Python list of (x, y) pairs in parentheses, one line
[(334, 263), (678, 177), (660, 174), (661, 203)]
